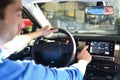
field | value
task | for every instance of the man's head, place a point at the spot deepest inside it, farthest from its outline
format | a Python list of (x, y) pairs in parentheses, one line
[(10, 18)]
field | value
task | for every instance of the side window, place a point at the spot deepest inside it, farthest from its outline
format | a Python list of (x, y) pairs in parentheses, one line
[(27, 24)]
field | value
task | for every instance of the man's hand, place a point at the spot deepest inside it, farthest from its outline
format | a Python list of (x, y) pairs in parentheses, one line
[(48, 30), (84, 55)]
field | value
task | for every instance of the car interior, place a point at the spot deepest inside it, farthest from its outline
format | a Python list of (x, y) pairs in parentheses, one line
[(80, 23)]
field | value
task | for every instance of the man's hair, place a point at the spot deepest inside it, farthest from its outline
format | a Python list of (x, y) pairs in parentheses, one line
[(3, 5)]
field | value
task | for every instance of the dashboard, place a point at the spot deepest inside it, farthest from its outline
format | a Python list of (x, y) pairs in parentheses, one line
[(105, 59), (105, 53)]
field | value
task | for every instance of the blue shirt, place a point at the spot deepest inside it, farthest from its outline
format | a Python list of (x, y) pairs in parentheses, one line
[(28, 70)]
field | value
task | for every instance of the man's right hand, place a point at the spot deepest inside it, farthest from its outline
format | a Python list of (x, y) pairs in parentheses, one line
[(84, 55), (48, 30)]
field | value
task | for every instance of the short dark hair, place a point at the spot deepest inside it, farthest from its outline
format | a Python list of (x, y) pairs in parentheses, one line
[(3, 5)]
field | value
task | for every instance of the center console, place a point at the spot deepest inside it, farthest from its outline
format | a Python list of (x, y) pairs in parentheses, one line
[(101, 50), (102, 66)]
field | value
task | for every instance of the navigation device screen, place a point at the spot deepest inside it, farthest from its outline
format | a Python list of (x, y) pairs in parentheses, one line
[(101, 48)]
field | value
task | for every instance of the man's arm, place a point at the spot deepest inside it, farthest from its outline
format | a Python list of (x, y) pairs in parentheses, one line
[(20, 41), (17, 70), (84, 58), (81, 66), (24, 70)]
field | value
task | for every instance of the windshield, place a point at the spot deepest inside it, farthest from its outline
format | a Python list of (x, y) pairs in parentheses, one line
[(70, 15)]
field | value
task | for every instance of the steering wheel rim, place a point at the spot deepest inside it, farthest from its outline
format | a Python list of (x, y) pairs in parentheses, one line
[(69, 35)]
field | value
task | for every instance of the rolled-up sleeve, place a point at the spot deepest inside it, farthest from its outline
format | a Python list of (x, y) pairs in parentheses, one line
[(81, 66)]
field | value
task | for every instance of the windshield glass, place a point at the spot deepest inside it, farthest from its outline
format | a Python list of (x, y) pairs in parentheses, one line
[(70, 15)]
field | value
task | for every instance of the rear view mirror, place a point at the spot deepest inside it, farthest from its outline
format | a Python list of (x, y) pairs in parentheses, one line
[(99, 10)]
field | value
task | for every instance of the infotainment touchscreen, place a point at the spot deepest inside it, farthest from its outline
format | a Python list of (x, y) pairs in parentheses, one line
[(101, 48)]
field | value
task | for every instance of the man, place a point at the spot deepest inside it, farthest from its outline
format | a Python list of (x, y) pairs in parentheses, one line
[(10, 21)]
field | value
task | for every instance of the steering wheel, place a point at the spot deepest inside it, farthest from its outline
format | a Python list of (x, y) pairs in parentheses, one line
[(54, 53)]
